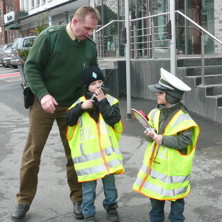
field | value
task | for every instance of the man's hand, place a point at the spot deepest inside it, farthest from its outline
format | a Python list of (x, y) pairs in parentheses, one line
[(48, 103)]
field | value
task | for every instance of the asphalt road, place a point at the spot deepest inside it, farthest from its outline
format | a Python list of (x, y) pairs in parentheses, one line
[(52, 203)]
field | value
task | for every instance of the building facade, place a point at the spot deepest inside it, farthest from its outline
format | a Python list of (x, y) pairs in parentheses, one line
[(51, 12), (21, 17), (9, 10)]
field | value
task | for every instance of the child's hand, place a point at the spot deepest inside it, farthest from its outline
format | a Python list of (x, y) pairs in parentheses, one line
[(157, 138), (99, 94), (88, 104), (150, 132)]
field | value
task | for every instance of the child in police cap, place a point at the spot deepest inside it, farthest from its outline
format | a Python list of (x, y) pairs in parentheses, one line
[(167, 165), (94, 130)]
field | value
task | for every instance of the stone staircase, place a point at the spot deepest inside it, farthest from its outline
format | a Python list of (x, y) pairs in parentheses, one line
[(206, 99)]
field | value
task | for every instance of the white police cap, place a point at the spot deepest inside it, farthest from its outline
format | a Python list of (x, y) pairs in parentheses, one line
[(169, 82)]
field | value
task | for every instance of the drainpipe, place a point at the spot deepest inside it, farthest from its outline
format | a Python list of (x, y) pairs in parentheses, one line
[(173, 39), (5, 33), (128, 71)]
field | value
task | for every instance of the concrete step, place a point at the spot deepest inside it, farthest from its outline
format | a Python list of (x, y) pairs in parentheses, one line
[(187, 62), (209, 80), (219, 102), (213, 90), (218, 99), (206, 106), (209, 70)]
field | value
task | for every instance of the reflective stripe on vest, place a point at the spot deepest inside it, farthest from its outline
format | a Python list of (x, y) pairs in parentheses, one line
[(94, 147), (166, 179), (164, 192), (97, 169), (93, 156), (165, 174)]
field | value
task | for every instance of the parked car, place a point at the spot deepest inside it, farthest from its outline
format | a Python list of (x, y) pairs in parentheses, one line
[(1, 47), (20, 44), (2, 51), (6, 55)]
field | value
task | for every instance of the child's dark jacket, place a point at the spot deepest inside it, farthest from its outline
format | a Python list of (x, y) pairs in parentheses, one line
[(111, 114)]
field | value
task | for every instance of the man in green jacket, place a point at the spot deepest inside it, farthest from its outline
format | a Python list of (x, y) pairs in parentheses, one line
[(53, 71)]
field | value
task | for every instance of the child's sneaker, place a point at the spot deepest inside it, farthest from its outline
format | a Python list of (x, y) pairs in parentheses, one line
[(112, 213)]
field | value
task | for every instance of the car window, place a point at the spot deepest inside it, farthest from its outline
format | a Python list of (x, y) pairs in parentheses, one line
[(28, 42)]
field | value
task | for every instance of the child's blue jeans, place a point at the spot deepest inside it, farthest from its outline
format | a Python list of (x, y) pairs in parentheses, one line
[(176, 212), (89, 194)]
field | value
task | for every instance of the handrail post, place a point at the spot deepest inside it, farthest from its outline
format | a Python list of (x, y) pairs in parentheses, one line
[(173, 38), (153, 39), (202, 60), (128, 69)]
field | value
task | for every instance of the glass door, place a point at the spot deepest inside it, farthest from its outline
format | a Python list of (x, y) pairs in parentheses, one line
[(189, 36), (181, 27), (208, 24), (194, 34)]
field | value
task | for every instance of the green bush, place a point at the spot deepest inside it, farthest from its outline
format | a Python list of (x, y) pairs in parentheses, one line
[(23, 54)]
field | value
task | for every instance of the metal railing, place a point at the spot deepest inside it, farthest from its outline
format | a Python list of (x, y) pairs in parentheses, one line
[(146, 41), (202, 31), (109, 39), (150, 38)]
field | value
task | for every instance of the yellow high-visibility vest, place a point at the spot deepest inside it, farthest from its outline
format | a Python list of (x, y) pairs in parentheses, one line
[(94, 146), (165, 174)]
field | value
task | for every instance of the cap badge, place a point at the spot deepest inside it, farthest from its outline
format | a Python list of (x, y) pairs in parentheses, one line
[(94, 75)]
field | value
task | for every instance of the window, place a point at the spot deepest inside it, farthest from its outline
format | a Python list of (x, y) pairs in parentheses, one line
[(28, 42)]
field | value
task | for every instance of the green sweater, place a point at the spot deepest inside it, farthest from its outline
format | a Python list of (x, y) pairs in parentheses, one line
[(55, 64)]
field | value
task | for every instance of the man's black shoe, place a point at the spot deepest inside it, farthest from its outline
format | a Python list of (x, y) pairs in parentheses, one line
[(19, 212), (78, 210)]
